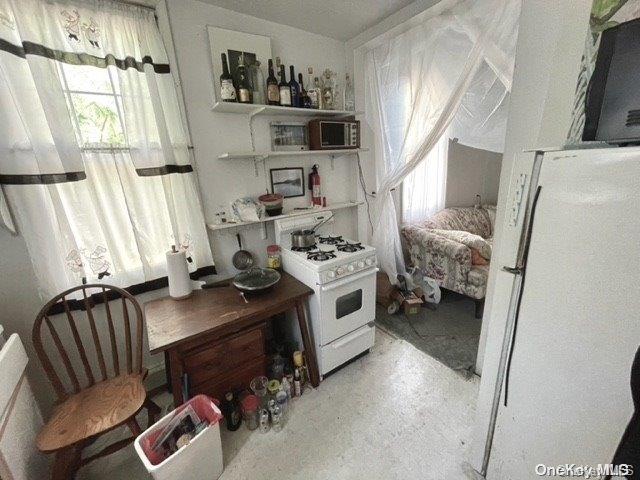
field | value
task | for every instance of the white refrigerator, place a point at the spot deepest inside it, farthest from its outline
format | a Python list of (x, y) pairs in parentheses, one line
[(572, 239)]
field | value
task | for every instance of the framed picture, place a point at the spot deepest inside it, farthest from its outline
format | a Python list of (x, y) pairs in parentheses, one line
[(287, 181), (236, 44)]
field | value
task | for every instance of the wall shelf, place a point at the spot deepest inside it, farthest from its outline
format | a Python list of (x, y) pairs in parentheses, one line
[(251, 110), (293, 213), (293, 153)]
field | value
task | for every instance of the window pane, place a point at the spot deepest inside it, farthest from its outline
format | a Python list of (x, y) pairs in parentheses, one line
[(85, 78), (98, 119)]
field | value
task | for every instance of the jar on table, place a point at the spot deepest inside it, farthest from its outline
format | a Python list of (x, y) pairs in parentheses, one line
[(273, 257)]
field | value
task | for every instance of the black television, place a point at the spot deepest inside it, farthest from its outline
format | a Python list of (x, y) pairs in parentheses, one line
[(612, 102)]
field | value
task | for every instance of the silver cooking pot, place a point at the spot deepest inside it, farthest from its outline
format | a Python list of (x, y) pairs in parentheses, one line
[(307, 238)]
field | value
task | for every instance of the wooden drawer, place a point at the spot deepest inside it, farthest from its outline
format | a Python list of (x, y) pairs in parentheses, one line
[(209, 361), (238, 379)]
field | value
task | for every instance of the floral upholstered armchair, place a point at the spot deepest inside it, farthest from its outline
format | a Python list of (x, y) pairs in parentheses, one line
[(454, 248)]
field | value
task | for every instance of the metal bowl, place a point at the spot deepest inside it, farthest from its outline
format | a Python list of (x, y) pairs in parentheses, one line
[(256, 279)]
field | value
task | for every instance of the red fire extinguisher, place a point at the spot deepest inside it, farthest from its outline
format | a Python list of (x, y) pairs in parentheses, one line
[(314, 186)]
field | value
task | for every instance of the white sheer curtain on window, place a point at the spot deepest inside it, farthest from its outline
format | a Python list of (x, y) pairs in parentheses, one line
[(94, 155), (436, 64), (424, 189)]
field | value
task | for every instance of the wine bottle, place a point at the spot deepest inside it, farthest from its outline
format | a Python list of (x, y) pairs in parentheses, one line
[(285, 89), (304, 97), (244, 89), (317, 89), (273, 92), (349, 95), (295, 88), (227, 89)]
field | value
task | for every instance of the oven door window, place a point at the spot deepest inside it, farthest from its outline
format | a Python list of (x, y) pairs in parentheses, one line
[(349, 303)]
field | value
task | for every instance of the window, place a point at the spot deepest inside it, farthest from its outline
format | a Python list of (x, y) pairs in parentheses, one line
[(95, 103)]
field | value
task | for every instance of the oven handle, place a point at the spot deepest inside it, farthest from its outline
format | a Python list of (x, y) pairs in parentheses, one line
[(346, 280), (351, 336)]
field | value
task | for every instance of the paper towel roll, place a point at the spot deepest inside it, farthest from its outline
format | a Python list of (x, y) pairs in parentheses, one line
[(180, 285)]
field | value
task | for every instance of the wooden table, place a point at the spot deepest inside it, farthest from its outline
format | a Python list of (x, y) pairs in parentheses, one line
[(181, 327)]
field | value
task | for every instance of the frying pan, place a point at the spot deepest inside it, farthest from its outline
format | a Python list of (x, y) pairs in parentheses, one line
[(242, 259)]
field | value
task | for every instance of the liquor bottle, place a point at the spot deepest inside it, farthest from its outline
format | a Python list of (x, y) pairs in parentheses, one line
[(312, 93), (328, 87), (349, 95), (227, 89), (273, 93), (295, 88), (316, 98), (244, 89), (304, 97), (285, 89), (257, 83)]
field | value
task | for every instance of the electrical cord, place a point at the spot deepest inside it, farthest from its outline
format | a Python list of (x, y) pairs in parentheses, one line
[(364, 190)]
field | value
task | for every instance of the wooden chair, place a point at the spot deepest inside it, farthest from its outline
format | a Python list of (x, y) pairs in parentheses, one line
[(108, 398)]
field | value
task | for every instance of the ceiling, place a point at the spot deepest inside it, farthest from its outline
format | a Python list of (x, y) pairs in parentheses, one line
[(339, 19)]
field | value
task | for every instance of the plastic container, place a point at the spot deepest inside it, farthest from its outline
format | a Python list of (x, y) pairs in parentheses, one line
[(251, 411), (199, 460), (273, 257)]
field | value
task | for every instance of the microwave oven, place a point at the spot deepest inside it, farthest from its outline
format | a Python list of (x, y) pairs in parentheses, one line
[(334, 134)]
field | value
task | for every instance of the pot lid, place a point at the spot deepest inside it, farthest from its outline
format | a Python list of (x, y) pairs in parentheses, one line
[(256, 279)]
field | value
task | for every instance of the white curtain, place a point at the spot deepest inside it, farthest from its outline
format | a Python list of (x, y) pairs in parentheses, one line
[(416, 84), (94, 157), (424, 189)]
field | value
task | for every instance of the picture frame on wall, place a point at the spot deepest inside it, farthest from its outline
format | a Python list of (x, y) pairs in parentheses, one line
[(235, 45), (288, 181)]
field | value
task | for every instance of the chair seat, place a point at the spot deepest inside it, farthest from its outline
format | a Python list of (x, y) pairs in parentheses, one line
[(91, 411)]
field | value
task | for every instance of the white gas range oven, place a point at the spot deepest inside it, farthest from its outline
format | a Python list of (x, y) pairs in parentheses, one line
[(342, 274)]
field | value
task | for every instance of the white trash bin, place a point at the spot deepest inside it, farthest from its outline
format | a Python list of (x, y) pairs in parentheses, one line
[(201, 459)]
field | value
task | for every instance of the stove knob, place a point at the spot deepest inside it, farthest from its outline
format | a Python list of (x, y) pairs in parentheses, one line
[(369, 261), (331, 274), (340, 270), (351, 268), (361, 264)]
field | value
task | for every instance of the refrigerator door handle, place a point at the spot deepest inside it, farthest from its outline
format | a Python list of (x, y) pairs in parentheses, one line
[(521, 272), (512, 270)]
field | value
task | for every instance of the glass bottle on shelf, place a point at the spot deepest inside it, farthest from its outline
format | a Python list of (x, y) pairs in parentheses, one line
[(227, 88), (273, 92), (328, 83), (244, 89), (284, 88), (304, 96), (349, 95), (295, 88), (312, 92), (257, 83), (338, 96), (317, 87)]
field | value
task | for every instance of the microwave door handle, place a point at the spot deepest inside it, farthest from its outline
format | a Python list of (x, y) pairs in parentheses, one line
[(348, 279)]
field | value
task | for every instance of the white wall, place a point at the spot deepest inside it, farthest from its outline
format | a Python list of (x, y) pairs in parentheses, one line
[(470, 172), (550, 44), (213, 133)]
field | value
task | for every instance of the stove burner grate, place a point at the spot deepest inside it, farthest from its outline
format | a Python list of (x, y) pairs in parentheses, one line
[(304, 249), (331, 240), (349, 247), (321, 255)]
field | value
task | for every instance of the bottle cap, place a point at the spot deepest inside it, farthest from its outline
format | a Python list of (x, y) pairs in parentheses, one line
[(229, 396)]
